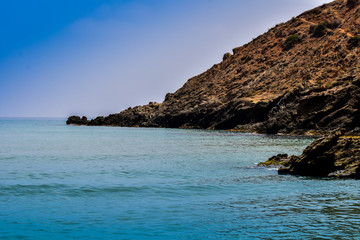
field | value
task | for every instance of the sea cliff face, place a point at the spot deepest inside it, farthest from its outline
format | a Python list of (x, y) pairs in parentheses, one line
[(300, 77)]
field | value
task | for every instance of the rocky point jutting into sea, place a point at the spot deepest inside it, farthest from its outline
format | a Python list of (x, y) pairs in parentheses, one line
[(300, 77)]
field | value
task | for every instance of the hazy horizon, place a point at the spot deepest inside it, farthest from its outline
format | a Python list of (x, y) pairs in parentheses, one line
[(93, 58)]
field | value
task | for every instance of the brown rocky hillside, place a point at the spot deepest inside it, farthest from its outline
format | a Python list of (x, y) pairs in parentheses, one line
[(299, 77)]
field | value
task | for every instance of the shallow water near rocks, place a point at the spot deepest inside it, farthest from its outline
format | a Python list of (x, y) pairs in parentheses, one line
[(60, 182)]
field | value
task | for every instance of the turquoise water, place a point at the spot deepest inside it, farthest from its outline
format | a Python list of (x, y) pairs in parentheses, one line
[(71, 182)]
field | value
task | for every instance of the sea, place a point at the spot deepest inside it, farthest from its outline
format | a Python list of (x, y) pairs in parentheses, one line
[(79, 182)]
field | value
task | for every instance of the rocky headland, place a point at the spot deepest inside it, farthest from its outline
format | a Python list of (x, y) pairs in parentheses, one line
[(300, 77)]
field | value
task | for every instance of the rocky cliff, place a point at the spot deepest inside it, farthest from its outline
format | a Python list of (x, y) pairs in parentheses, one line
[(300, 77), (336, 155)]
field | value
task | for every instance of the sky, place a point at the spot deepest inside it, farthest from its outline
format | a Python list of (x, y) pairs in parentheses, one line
[(96, 57)]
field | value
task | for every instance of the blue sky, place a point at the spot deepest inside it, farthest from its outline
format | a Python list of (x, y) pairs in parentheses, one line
[(96, 57)]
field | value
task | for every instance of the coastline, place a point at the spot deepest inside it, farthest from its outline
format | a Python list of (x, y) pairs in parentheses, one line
[(301, 77)]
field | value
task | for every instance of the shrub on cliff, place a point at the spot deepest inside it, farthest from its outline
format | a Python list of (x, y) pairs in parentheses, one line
[(351, 3), (290, 42), (354, 41), (318, 30), (334, 23)]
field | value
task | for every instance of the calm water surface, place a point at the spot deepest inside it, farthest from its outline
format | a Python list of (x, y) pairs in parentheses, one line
[(67, 182)]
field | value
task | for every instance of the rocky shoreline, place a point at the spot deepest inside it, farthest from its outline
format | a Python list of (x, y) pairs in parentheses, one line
[(337, 155), (301, 77)]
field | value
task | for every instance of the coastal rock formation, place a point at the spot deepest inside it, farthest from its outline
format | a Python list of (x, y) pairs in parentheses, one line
[(333, 156), (76, 120), (337, 155), (300, 77)]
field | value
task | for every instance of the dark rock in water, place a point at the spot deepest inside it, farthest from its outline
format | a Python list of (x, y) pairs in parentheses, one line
[(76, 120), (275, 161), (333, 156)]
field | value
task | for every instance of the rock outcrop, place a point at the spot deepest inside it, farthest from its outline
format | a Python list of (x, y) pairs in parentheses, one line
[(333, 156), (300, 77), (336, 155), (76, 120)]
